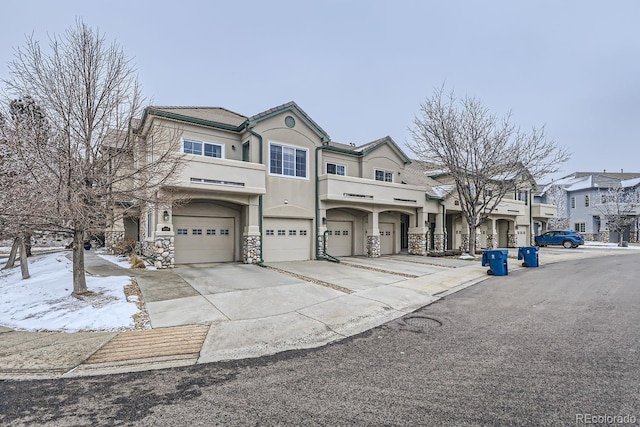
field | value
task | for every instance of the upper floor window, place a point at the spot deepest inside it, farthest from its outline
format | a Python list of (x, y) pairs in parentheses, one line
[(383, 175), (336, 169), (586, 201), (573, 202), (287, 161), (200, 148)]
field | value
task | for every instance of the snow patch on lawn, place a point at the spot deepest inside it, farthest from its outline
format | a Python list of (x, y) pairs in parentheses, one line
[(120, 260), (44, 301)]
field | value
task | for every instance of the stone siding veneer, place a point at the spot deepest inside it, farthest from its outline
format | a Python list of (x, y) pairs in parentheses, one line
[(417, 244), (438, 242), (251, 249), (465, 243), (111, 238), (320, 246), (163, 253), (492, 241), (512, 240), (373, 246)]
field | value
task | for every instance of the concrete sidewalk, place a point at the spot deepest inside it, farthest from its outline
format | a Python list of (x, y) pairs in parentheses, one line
[(234, 311)]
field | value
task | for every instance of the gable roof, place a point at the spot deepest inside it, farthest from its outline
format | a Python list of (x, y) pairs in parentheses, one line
[(387, 140), (416, 173), (291, 106), (206, 116), (367, 148)]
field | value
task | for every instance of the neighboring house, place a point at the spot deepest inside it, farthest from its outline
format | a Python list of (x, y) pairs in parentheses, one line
[(584, 192), (274, 187)]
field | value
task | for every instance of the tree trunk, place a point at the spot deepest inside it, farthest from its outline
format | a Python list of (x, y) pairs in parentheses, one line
[(24, 262), (12, 255), (27, 244), (472, 240), (79, 280)]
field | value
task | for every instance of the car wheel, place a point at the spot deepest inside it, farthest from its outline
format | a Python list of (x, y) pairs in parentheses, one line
[(574, 246), (567, 244)]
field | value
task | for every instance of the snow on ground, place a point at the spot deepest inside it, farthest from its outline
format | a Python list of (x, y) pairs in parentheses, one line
[(119, 260), (44, 301), (603, 245)]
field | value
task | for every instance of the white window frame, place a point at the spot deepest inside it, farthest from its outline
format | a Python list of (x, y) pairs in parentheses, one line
[(587, 201), (385, 172), (202, 148), (295, 166), (573, 202), (579, 227), (337, 165)]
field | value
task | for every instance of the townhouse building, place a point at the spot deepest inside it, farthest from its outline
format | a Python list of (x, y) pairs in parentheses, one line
[(275, 187), (581, 196)]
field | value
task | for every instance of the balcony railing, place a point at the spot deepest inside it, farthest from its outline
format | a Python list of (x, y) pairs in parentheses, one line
[(222, 175), (361, 190)]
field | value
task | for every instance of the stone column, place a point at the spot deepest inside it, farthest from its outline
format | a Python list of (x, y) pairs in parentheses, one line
[(465, 243), (164, 250), (251, 242), (417, 235), (438, 235), (492, 235), (417, 242), (373, 236), (512, 235)]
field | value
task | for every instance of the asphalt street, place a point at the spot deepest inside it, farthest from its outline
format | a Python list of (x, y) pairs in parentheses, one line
[(552, 346)]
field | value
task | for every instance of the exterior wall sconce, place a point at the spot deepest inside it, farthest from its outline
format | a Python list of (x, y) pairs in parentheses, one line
[(165, 215), (324, 220)]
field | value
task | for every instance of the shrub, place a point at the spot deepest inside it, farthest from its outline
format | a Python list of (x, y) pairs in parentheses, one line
[(124, 247), (136, 261)]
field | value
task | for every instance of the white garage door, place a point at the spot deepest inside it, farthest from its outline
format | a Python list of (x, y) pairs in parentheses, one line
[(386, 238), (203, 239), (339, 238), (287, 239)]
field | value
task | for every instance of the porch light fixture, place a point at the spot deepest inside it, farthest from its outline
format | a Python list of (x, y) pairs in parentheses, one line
[(324, 220), (165, 215)]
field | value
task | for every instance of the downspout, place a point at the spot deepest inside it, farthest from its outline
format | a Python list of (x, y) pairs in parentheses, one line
[(444, 228), (324, 255), (257, 135), (530, 219)]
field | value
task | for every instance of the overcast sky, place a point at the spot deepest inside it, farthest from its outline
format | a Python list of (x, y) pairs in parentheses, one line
[(361, 69)]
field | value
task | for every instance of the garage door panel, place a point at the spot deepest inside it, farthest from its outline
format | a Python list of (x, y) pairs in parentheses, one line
[(287, 239), (340, 238), (203, 239)]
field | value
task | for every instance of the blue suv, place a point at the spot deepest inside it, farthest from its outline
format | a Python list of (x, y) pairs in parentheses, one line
[(566, 238)]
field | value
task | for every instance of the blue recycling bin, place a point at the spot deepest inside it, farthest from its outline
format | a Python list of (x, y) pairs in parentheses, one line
[(497, 262), (530, 256)]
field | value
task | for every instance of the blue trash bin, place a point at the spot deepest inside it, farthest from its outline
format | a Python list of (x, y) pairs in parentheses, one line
[(497, 262), (530, 256)]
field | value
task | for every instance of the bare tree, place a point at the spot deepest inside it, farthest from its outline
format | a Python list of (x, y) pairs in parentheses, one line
[(487, 157), (557, 196), (21, 127), (93, 167), (618, 207)]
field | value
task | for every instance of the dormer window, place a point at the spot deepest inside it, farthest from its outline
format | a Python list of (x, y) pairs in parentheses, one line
[(383, 175)]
